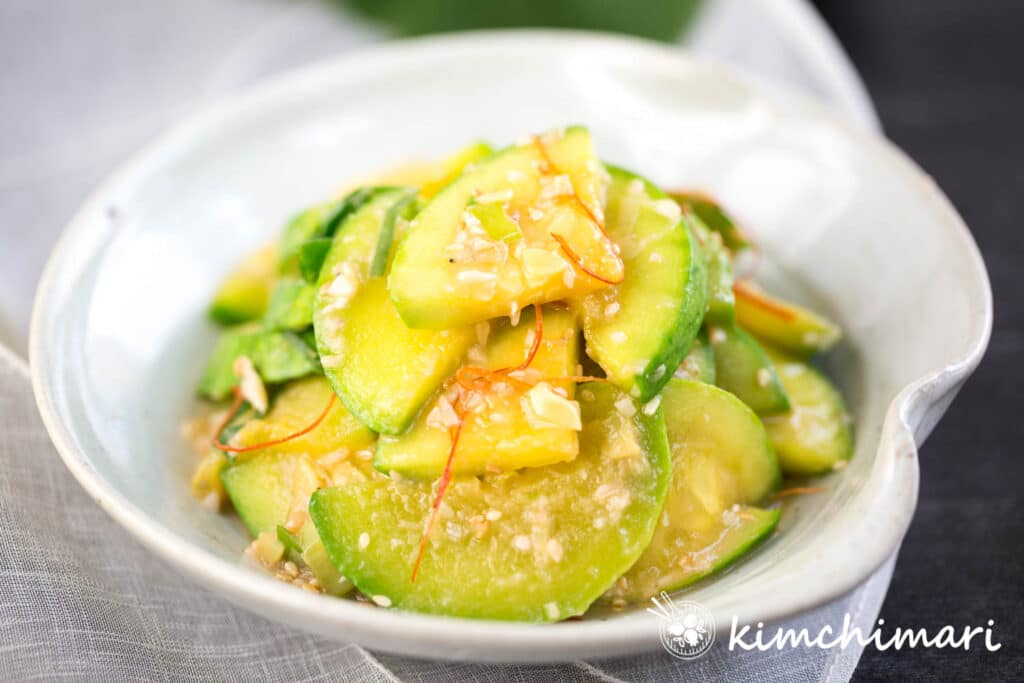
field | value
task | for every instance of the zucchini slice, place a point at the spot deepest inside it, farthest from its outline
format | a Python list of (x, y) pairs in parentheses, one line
[(506, 432), (815, 435), (540, 544), (721, 299), (244, 294), (714, 216), (743, 368), (448, 271), (265, 488), (783, 324), (270, 486), (278, 357), (294, 407), (640, 330), (699, 363), (305, 226), (452, 166), (291, 306), (383, 371), (722, 463)]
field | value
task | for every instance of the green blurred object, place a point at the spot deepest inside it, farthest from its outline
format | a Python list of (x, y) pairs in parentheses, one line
[(658, 19)]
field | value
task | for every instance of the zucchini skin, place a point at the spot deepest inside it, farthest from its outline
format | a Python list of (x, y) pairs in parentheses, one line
[(680, 334)]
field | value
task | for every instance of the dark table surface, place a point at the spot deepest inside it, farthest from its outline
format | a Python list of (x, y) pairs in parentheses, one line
[(947, 77)]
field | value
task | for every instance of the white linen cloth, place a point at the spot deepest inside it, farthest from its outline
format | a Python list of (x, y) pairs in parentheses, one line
[(84, 84)]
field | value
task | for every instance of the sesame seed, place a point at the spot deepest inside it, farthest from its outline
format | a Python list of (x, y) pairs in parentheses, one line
[(651, 407), (477, 525), (331, 361), (625, 406), (569, 278), (364, 540), (554, 549), (792, 369), (381, 600), (295, 520), (483, 330), (477, 355), (211, 501), (556, 186), (494, 197), (476, 277), (618, 336), (668, 208), (521, 542), (493, 515), (611, 309), (718, 335), (551, 609), (764, 377), (333, 458)]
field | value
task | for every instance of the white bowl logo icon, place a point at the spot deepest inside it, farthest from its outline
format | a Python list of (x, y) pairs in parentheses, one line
[(687, 628)]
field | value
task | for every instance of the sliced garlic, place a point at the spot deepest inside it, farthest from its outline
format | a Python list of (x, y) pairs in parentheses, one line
[(251, 386), (540, 265), (544, 408)]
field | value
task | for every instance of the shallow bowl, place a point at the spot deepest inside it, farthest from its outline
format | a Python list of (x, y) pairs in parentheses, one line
[(848, 223)]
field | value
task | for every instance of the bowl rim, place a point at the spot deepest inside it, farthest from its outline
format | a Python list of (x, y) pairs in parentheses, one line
[(455, 638)]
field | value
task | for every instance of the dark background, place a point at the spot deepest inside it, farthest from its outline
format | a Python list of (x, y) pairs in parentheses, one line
[(947, 77)]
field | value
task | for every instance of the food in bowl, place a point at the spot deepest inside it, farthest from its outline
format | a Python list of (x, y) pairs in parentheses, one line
[(511, 385)]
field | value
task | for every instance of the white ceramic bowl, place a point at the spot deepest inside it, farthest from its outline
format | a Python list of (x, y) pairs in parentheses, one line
[(849, 224)]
